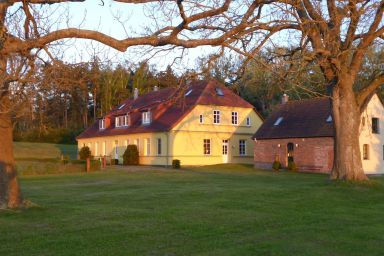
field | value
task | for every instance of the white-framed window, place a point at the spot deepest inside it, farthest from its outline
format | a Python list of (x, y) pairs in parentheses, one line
[(248, 121), (207, 146), (122, 121), (146, 117), (201, 119), (242, 147), (234, 117), (216, 116), (147, 147), (159, 146), (102, 124)]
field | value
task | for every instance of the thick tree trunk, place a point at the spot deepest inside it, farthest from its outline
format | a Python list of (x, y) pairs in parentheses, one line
[(346, 116), (9, 186)]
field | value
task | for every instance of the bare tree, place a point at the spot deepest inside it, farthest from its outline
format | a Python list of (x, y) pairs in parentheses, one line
[(334, 34)]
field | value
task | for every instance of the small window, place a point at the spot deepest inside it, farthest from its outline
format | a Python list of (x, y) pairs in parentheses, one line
[(146, 117), (329, 119), (366, 152), (242, 147), (278, 121), (201, 119), (248, 121), (207, 146), (188, 92), (216, 116), (121, 106), (219, 91), (159, 146), (375, 125), (102, 124), (234, 117)]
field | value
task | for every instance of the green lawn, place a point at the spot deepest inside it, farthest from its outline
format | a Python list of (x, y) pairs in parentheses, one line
[(220, 210)]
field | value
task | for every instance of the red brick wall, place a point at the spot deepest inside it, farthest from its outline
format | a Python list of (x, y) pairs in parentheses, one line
[(310, 154)]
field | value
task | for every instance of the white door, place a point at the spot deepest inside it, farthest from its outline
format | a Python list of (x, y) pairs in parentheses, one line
[(116, 149), (225, 151)]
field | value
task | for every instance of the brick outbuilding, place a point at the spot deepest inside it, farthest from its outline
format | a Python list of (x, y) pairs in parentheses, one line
[(303, 131)]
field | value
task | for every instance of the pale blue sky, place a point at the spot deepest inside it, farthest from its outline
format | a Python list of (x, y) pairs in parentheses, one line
[(91, 15)]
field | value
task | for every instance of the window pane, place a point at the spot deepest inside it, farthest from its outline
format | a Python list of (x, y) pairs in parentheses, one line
[(207, 147), (159, 146)]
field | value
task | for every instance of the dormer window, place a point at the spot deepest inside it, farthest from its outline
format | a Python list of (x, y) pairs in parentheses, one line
[(146, 117), (219, 91), (122, 121), (102, 124), (278, 121), (329, 119), (188, 92)]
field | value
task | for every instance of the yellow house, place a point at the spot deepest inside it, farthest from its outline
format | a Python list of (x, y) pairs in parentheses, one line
[(203, 124)]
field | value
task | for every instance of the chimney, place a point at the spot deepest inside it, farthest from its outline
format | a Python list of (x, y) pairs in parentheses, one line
[(135, 93), (284, 99), (155, 89)]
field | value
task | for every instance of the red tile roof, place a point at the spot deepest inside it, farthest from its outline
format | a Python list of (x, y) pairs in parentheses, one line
[(300, 119), (168, 106)]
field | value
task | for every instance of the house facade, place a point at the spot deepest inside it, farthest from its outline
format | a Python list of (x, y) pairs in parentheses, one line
[(303, 131), (203, 124)]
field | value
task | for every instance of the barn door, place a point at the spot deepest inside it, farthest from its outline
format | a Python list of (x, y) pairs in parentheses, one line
[(290, 153)]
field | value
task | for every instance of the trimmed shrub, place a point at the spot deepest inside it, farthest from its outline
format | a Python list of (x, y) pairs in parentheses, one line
[(176, 164), (292, 166), (84, 153), (131, 155), (276, 165)]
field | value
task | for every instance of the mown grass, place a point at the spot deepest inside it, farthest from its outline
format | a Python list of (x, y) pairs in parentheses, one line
[(217, 210)]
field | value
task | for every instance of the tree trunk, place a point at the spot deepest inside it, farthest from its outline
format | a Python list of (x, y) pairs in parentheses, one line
[(347, 163), (9, 186)]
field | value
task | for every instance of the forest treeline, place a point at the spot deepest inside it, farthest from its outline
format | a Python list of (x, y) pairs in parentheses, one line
[(62, 99)]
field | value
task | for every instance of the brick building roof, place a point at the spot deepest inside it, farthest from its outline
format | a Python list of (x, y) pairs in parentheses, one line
[(298, 119), (167, 106)]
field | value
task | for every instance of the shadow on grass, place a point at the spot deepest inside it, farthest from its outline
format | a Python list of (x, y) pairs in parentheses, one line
[(70, 150)]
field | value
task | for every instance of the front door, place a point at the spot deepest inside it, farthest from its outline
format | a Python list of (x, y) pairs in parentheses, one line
[(225, 151)]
